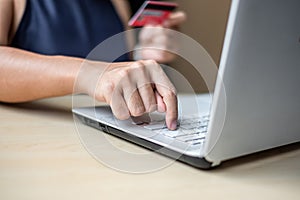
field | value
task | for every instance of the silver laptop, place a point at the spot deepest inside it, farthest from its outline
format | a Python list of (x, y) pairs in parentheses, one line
[(256, 102)]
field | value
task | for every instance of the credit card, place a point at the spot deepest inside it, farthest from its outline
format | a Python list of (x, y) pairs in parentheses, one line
[(152, 13)]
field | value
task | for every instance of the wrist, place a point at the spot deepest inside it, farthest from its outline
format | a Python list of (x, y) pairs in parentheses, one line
[(68, 72), (88, 77)]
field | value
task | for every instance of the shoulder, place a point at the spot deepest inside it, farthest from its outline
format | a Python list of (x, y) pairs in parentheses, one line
[(11, 12), (6, 17)]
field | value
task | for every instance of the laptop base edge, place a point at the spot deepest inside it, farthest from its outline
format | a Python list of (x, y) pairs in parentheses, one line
[(197, 162)]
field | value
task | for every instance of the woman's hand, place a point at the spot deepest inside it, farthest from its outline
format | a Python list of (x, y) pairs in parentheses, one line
[(132, 89), (154, 40)]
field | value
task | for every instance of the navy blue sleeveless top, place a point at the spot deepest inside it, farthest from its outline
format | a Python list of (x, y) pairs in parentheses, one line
[(69, 27)]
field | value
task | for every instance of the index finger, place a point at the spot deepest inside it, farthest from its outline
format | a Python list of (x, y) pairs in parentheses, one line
[(170, 100), (167, 91)]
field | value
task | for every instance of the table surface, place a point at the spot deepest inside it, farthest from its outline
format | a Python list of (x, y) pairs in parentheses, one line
[(42, 157)]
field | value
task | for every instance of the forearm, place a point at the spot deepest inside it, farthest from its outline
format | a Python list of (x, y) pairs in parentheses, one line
[(131, 88), (26, 76)]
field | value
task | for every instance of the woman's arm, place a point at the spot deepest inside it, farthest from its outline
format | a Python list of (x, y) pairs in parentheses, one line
[(131, 88), (26, 76)]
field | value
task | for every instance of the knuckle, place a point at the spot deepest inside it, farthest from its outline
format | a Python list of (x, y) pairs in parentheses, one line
[(137, 65), (153, 65), (170, 88), (151, 105), (173, 89), (151, 62), (137, 111), (140, 71), (169, 94), (141, 67), (124, 73)]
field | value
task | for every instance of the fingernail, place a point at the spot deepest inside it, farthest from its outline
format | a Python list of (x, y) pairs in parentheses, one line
[(173, 125)]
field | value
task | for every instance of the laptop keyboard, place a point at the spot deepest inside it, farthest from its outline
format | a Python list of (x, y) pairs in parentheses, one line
[(190, 130)]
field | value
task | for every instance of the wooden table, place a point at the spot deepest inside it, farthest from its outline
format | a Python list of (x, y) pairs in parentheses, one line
[(41, 157)]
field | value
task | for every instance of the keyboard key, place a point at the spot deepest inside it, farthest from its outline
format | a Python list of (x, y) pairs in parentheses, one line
[(191, 126), (198, 142), (191, 130), (155, 126), (191, 137), (169, 133)]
